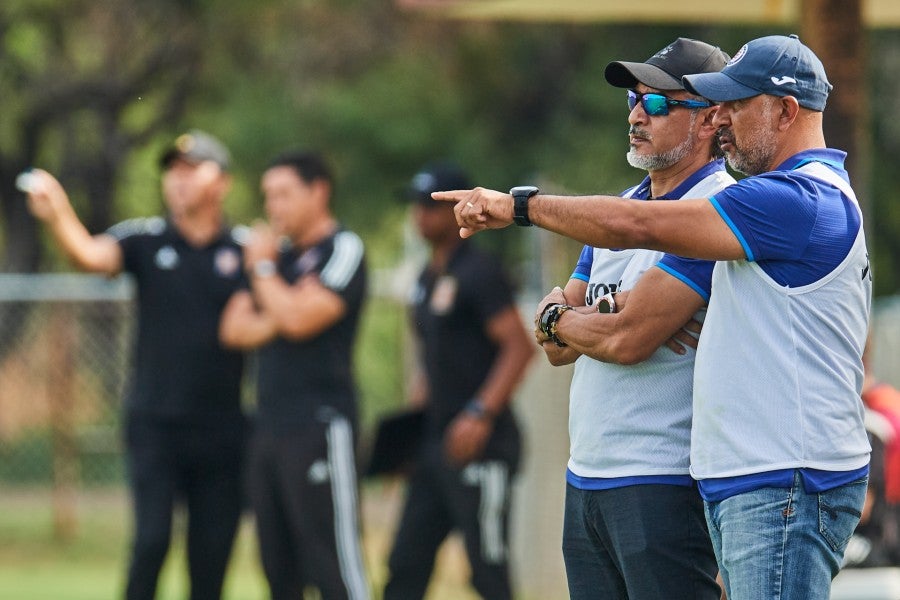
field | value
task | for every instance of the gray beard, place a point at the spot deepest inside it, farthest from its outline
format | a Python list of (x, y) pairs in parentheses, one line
[(658, 162)]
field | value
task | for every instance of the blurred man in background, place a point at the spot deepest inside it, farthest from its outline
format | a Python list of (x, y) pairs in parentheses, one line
[(301, 312), (184, 430), (474, 351)]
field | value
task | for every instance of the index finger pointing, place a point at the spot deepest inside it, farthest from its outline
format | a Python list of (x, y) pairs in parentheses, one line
[(451, 195)]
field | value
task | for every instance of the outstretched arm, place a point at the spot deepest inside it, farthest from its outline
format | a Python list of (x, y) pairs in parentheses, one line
[(691, 228), (49, 202)]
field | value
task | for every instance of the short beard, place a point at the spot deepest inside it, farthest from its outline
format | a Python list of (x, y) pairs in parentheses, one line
[(754, 156), (664, 160)]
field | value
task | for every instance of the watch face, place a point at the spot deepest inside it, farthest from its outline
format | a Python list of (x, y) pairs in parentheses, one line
[(522, 190), (606, 304)]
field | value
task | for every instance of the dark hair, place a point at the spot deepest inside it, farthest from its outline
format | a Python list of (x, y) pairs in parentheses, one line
[(308, 165)]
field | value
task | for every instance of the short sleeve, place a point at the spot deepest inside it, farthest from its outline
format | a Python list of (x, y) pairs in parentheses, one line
[(488, 288), (695, 273), (772, 215), (344, 271), (345, 260), (131, 234), (583, 267)]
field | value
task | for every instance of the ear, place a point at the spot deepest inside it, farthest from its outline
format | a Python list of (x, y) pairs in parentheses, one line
[(705, 118), (789, 108), (322, 191), (223, 185)]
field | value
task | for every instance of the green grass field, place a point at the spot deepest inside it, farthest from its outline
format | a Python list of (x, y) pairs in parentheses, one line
[(35, 565)]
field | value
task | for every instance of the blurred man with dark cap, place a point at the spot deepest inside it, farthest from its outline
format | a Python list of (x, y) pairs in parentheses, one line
[(184, 429), (474, 351)]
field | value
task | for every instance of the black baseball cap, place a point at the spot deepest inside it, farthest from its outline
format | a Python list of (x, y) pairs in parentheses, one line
[(436, 176), (196, 147), (664, 70)]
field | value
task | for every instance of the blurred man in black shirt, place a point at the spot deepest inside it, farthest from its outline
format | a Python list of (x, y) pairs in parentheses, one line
[(184, 429), (474, 352), (302, 311)]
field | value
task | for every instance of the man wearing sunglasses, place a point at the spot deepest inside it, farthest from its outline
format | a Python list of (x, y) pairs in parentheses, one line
[(778, 443), (634, 524)]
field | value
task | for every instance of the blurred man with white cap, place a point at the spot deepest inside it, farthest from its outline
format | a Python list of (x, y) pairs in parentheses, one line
[(184, 429)]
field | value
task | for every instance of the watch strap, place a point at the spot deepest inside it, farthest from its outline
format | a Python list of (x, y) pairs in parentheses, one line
[(521, 195)]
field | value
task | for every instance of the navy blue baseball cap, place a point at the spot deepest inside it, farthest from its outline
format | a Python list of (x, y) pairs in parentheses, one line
[(775, 65)]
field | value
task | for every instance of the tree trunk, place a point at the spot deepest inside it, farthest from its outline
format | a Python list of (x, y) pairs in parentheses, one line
[(835, 32)]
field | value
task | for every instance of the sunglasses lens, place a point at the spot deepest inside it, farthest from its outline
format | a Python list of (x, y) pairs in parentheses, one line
[(655, 104), (632, 100)]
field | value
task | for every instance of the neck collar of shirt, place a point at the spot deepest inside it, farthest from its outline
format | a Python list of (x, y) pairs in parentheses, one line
[(459, 250), (829, 156), (223, 233)]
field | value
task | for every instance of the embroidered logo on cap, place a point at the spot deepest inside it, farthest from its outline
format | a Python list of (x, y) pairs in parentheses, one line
[(737, 57), (662, 53), (783, 80)]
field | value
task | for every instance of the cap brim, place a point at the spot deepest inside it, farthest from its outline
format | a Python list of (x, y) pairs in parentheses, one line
[(166, 159), (629, 74), (411, 195), (717, 87)]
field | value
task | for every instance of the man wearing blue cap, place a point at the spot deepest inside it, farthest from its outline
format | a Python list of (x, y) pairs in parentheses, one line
[(778, 443)]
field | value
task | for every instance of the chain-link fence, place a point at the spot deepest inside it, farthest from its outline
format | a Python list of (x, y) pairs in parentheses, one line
[(63, 358)]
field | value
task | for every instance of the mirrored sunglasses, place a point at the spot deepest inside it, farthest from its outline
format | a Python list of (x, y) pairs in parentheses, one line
[(657, 105)]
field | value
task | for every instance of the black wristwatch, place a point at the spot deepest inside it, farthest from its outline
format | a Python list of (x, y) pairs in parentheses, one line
[(521, 194)]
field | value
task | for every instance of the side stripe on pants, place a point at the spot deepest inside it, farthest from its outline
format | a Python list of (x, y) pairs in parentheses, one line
[(346, 517), (494, 480)]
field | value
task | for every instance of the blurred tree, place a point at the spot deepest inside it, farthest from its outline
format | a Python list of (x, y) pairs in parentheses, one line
[(97, 85), (84, 82)]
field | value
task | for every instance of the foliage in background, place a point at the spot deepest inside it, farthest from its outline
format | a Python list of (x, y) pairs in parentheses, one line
[(95, 89)]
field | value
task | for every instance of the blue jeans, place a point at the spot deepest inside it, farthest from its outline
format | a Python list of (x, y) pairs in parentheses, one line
[(783, 543)]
